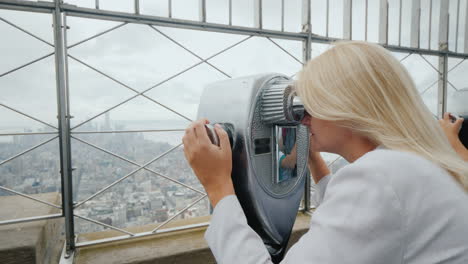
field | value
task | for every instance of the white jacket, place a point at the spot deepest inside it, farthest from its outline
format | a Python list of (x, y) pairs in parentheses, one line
[(386, 207)]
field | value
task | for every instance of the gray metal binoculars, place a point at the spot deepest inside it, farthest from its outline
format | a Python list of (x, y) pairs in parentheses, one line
[(270, 147)]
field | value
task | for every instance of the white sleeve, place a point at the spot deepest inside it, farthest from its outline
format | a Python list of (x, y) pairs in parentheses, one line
[(359, 221), (231, 239)]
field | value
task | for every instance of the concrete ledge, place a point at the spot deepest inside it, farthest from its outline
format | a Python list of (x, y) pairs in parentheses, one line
[(187, 246), (31, 242)]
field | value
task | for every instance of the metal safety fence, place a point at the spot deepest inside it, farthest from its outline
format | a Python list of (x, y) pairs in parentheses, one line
[(415, 48)]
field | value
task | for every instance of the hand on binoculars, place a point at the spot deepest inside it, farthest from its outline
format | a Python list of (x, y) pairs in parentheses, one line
[(212, 164), (451, 129)]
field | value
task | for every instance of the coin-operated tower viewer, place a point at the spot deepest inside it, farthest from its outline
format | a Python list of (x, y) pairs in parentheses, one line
[(262, 116)]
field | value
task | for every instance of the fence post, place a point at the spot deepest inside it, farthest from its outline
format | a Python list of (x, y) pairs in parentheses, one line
[(443, 59), (306, 54), (63, 109)]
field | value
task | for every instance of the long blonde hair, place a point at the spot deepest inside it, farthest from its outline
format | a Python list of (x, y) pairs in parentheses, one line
[(363, 87)]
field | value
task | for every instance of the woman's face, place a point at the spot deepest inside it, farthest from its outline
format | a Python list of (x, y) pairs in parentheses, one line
[(325, 136)]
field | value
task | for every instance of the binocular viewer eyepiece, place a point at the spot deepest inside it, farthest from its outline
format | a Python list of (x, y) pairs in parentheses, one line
[(280, 105), (213, 136)]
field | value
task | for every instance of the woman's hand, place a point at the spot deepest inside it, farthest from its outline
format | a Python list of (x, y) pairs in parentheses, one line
[(212, 164), (451, 130)]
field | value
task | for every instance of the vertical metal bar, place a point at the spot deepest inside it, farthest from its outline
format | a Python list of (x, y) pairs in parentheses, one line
[(97, 4), (306, 56), (414, 30), (306, 15), (387, 23), (282, 15), (419, 28), (443, 25), (442, 88), (466, 28), (258, 14), (351, 20), (347, 19), (366, 21), (399, 21), (430, 24), (230, 12), (202, 9), (383, 22), (169, 8), (458, 22), (61, 72), (328, 18), (67, 97), (443, 59), (137, 7)]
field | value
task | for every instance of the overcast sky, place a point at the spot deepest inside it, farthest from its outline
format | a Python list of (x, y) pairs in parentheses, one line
[(140, 56)]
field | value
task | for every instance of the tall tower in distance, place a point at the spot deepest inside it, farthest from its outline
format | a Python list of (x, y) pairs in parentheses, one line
[(107, 125)]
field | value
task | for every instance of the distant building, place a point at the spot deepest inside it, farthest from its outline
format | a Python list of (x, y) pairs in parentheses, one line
[(107, 122)]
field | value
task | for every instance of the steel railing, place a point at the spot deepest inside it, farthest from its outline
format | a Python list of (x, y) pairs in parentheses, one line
[(64, 132)]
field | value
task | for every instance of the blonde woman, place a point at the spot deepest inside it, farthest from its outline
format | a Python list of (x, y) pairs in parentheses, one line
[(402, 198)]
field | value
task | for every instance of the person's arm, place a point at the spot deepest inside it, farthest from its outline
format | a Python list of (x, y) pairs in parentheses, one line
[(317, 166), (211, 164), (231, 239), (289, 161), (359, 221), (451, 130)]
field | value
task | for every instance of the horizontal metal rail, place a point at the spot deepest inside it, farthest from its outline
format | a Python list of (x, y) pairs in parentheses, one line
[(128, 131), (173, 22), (38, 7), (30, 219), (179, 23), (76, 11), (139, 235), (28, 133)]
